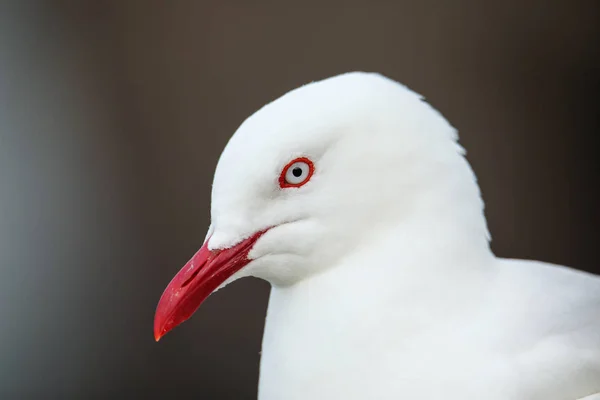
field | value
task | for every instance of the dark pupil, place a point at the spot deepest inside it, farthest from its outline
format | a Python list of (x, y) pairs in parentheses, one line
[(297, 172)]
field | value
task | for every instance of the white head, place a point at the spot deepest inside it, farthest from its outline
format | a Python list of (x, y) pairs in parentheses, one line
[(382, 158)]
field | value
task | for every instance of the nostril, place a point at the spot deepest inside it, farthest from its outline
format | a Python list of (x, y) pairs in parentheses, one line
[(191, 278)]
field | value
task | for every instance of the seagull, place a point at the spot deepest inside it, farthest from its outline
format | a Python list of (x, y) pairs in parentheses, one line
[(352, 197)]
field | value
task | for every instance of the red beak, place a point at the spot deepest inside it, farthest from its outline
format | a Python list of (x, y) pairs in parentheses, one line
[(205, 272)]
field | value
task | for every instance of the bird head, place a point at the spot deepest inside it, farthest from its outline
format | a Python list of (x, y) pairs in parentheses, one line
[(313, 174)]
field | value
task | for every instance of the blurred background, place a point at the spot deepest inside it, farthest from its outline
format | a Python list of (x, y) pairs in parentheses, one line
[(113, 115)]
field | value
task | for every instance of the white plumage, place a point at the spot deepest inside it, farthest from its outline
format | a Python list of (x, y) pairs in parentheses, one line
[(383, 282)]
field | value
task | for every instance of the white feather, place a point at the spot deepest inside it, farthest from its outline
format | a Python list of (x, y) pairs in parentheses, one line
[(384, 285)]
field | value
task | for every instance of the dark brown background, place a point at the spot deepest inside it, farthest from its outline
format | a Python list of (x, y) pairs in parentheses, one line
[(113, 115)]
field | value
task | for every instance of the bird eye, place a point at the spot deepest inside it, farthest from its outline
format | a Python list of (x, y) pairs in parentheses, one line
[(296, 173)]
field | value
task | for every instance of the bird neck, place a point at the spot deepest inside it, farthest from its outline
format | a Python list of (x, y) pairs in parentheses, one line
[(414, 276), (372, 307)]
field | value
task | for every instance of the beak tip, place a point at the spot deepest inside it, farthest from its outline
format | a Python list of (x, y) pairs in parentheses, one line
[(159, 331), (158, 335)]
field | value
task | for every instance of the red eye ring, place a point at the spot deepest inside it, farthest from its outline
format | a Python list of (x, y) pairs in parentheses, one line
[(284, 182)]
